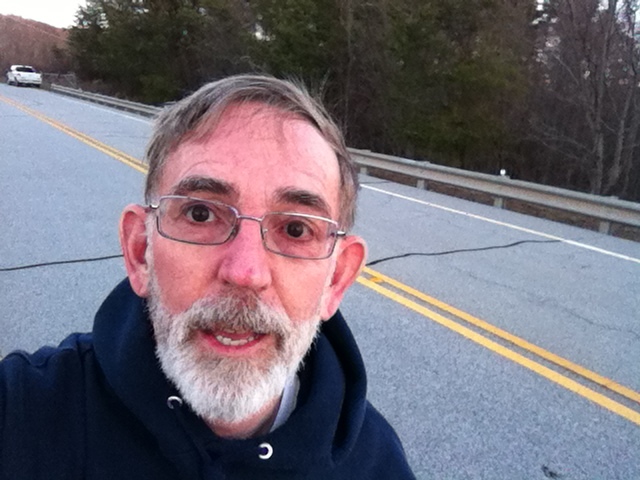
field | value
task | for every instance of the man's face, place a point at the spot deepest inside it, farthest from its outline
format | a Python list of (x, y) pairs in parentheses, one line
[(258, 160)]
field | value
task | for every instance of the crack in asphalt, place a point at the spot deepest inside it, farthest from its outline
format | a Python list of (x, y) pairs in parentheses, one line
[(60, 262), (603, 326), (510, 245), (461, 250)]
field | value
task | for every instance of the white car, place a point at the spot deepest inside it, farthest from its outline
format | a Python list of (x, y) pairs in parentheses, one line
[(24, 75)]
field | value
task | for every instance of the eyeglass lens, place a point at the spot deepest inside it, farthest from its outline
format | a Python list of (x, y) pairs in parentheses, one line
[(205, 222)]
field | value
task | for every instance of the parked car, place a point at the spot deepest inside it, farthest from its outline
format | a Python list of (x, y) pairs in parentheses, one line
[(23, 75)]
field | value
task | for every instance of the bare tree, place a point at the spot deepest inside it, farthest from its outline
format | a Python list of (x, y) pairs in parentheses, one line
[(588, 112)]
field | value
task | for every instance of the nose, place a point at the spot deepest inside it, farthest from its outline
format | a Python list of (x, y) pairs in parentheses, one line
[(245, 261)]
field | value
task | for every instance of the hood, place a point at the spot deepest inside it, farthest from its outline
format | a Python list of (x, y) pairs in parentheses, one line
[(320, 433)]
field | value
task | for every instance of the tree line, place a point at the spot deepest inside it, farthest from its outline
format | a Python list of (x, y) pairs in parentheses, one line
[(545, 89)]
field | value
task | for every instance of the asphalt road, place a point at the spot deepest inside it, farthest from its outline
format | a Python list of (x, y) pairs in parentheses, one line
[(461, 329)]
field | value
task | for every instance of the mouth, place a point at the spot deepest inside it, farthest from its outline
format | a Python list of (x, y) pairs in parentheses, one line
[(235, 339), (232, 343)]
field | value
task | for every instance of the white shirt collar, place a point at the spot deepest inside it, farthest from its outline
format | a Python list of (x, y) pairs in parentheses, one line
[(288, 402)]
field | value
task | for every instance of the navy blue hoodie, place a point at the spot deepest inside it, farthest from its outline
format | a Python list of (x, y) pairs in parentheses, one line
[(97, 407)]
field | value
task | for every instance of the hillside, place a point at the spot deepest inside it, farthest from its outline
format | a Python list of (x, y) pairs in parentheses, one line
[(28, 42)]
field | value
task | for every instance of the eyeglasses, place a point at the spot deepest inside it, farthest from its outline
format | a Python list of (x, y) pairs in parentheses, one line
[(207, 222)]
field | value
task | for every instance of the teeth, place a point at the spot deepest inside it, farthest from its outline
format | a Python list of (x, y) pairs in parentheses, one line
[(234, 343)]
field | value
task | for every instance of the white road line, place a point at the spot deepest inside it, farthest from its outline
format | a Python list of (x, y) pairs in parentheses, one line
[(507, 225)]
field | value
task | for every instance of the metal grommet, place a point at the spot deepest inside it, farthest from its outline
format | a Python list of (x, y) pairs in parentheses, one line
[(173, 402), (267, 449)]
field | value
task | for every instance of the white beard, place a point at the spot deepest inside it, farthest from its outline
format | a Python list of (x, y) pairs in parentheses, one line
[(224, 389)]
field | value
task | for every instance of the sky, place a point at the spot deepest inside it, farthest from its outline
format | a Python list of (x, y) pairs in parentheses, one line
[(59, 13)]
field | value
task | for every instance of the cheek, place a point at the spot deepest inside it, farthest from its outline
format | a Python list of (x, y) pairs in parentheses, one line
[(301, 293), (181, 278)]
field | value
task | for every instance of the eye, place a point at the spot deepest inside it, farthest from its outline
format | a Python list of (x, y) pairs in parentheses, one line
[(285, 231), (296, 229), (199, 213)]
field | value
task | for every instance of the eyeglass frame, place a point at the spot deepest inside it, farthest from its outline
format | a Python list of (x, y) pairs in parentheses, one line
[(236, 225)]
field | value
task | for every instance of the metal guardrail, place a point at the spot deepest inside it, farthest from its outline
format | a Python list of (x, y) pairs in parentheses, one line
[(134, 107), (606, 210)]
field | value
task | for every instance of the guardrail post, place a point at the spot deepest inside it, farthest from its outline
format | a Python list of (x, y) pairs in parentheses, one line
[(420, 183), (363, 170), (498, 202), (604, 227)]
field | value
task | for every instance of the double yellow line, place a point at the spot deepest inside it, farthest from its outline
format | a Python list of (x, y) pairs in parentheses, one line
[(456, 319), (104, 148), (460, 322)]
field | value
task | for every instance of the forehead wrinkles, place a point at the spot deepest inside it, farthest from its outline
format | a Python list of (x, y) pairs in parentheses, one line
[(220, 122), (294, 138), (294, 135), (265, 121)]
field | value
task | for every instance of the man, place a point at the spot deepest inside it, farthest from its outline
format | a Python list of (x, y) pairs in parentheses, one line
[(222, 356)]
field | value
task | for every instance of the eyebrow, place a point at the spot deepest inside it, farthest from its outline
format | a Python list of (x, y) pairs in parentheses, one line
[(289, 195), (199, 183), (303, 198)]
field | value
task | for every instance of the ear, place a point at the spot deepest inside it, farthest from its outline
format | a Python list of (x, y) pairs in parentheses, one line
[(349, 261), (133, 240)]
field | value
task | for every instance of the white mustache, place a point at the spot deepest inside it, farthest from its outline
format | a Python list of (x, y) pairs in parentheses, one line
[(236, 312)]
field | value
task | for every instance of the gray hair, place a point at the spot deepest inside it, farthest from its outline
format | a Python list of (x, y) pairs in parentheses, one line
[(187, 118)]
